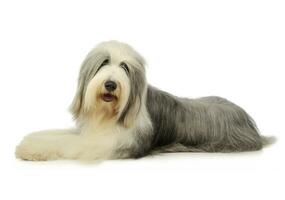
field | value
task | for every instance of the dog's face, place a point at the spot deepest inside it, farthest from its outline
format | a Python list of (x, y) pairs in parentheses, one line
[(111, 84), (108, 91)]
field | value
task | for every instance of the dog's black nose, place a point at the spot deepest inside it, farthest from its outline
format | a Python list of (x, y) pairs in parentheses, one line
[(110, 86)]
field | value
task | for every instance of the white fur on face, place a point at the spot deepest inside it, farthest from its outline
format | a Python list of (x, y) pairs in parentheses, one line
[(96, 89)]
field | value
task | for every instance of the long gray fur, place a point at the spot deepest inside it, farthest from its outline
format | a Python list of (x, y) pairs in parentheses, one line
[(209, 124)]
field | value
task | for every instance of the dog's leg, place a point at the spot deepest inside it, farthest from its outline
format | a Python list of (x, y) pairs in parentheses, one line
[(44, 145), (63, 144), (176, 147)]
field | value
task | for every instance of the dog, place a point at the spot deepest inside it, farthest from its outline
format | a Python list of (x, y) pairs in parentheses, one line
[(118, 115)]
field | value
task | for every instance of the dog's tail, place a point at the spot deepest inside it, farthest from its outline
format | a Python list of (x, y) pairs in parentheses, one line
[(268, 140)]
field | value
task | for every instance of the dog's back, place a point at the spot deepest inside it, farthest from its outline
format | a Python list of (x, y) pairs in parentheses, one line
[(210, 124)]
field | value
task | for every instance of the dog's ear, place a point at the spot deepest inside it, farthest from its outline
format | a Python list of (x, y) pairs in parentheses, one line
[(137, 95), (76, 104), (88, 70)]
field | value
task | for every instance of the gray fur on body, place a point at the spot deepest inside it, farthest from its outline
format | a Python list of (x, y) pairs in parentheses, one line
[(208, 124)]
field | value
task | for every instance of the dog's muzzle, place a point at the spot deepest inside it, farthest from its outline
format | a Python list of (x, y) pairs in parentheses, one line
[(110, 87)]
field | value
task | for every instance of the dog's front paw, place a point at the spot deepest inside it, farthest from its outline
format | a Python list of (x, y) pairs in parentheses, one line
[(34, 149)]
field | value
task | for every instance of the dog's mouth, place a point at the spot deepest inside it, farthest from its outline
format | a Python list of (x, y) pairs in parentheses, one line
[(108, 97)]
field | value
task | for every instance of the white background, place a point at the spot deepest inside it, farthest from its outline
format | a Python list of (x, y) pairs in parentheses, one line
[(233, 49)]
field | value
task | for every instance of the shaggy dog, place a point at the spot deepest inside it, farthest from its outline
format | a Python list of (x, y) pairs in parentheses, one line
[(118, 115)]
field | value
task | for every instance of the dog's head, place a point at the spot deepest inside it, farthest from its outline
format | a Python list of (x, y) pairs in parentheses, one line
[(111, 84)]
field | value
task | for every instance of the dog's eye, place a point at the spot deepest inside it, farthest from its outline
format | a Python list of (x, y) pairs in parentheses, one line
[(125, 67), (105, 62)]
